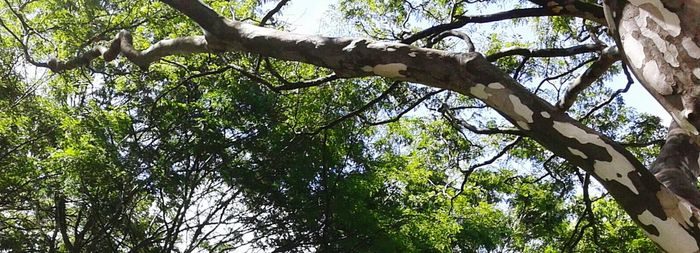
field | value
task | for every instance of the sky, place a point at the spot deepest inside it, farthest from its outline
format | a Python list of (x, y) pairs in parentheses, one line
[(305, 16)]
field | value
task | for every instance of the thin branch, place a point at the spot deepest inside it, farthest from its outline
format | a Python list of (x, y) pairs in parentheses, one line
[(467, 172), (410, 108), (354, 113), (25, 48), (577, 233), (596, 16), (122, 44), (606, 59), (630, 81), (287, 85), (568, 72), (520, 67), (464, 20), (547, 52), (448, 114), (452, 33), (658, 142), (28, 141), (272, 12)]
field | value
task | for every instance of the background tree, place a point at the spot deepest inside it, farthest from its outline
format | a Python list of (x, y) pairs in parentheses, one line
[(248, 137)]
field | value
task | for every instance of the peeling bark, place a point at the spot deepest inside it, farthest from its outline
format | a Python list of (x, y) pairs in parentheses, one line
[(660, 39), (677, 164), (670, 221), (606, 59), (122, 44), (660, 42)]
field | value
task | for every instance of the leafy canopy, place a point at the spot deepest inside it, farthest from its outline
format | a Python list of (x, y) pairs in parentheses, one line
[(203, 153)]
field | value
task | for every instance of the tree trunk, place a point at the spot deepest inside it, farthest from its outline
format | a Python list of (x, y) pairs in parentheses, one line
[(659, 41), (677, 164)]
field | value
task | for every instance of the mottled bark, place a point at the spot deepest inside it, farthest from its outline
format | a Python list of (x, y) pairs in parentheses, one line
[(606, 59), (677, 164), (659, 40), (122, 44), (668, 220)]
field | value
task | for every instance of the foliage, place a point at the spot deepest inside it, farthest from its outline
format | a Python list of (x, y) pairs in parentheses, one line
[(195, 155)]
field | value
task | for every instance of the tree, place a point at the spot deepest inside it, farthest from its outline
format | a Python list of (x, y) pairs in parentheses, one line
[(194, 118)]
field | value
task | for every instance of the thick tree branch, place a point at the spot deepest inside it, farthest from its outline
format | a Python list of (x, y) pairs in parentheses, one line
[(659, 41), (609, 56), (575, 8), (123, 45), (677, 167), (658, 211), (61, 220)]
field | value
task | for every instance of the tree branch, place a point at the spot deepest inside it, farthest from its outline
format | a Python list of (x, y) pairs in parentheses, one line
[(122, 44), (505, 15), (575, 8), (272, 12), (460, 124), (676, 164), (408, 109), (547, 52), (651, 205), (359, 110), (287, 85), (609, 56), (470, 45)]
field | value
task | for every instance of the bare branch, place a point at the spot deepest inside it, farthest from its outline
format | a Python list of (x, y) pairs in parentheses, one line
[(609, 56), (287, 85), (460, 124), (467, 172), (657, 142), (123, 44), (464, 20), (453, 33), (272, 12), (547, 52), (629, 83)]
